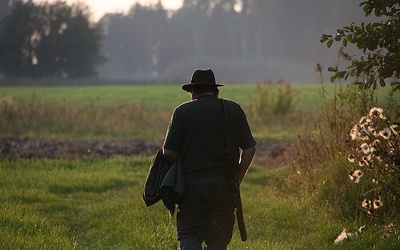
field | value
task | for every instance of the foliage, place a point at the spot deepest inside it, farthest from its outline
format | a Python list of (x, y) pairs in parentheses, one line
[(379, 43), (48, 40), (273, 100), (376, 150)]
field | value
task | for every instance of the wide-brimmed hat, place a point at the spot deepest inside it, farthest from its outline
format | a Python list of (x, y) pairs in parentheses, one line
[(201, 77)]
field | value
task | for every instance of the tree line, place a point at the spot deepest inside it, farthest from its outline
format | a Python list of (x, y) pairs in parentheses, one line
[(243, 40)]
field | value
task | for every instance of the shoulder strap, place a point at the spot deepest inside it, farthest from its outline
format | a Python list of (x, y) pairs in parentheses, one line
[(225, 122)]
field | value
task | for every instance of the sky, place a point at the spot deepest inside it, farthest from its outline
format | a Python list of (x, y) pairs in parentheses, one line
[(100, 7)]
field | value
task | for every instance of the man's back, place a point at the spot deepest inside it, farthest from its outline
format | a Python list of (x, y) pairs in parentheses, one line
[(200, 136)]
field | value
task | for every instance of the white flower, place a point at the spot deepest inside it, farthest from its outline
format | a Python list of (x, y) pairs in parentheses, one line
[(364, 121), (377, 203), (372, 131), (365, 148), (354, 132), (373, 151), (363, 134), (351, 158), (367, 205), (376, 142), (393, 130), (370, 205), (342, 236), (366, 160), (376, 112), (385, 133), (355, 175)]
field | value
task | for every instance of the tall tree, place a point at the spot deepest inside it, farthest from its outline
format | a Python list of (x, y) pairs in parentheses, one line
[(49, 40)]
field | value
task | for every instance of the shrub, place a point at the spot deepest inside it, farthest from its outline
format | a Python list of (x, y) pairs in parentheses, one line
[(273, 100)]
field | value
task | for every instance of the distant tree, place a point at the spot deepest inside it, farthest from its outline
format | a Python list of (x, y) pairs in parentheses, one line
[(379, 42), (133, 41), (4, 7), (49, 40), (251, 40)]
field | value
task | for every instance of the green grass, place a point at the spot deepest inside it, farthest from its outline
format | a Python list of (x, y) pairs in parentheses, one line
[(97, 204), (161, 96), (135, 111), (150, 96)]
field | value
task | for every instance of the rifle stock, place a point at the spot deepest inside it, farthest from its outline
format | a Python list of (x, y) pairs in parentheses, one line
[(240, 219)]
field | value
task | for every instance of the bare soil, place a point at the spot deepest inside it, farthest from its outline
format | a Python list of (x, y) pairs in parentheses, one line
[(269, 153)]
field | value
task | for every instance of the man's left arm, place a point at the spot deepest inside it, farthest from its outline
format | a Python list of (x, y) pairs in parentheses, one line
[(170, 155)]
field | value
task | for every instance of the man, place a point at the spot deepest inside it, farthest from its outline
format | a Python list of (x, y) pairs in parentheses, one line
[(196, 133)]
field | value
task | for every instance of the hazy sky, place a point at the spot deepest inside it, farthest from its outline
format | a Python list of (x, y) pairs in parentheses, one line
[(99, 7)]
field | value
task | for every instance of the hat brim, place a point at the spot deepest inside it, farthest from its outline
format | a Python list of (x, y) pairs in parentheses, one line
[(188, 86)]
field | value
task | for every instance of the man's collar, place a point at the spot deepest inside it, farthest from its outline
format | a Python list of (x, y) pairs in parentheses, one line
[(205, 95)]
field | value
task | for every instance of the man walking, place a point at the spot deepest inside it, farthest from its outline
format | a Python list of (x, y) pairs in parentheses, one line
[(196, 133)]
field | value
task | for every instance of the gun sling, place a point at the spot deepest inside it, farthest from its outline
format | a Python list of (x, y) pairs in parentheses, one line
[(232, 170)]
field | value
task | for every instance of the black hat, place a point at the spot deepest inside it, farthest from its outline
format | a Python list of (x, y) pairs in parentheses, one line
[(201, 77)]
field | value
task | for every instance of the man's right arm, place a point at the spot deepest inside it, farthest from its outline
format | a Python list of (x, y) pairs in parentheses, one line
[(245, 161)]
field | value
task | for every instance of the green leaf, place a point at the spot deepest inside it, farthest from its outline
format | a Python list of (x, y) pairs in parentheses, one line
[(396, 85), (331, 69), (342, 74), (345, 42), (324, 38), (329, 44), (333, 78), (382, 82)]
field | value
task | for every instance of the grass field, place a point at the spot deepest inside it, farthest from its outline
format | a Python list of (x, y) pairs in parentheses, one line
[(100, 112), (95, 203), (161, 96), (165, 96), (134, 111)]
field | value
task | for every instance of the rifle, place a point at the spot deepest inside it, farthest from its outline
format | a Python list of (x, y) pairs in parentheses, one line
[(233, 167)]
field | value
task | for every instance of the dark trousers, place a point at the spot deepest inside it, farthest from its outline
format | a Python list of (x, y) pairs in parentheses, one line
[(205, 213)]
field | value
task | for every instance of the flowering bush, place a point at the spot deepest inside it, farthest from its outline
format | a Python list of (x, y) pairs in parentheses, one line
[(376, 149)]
